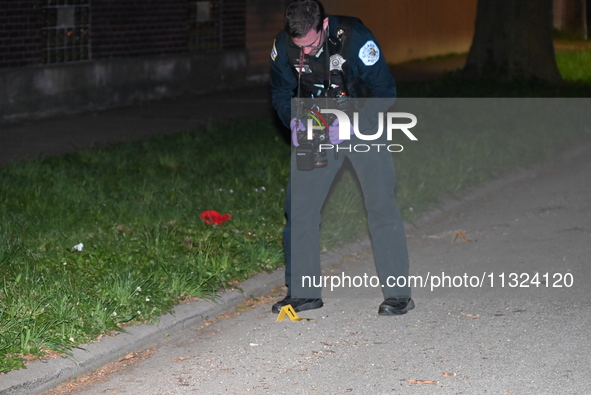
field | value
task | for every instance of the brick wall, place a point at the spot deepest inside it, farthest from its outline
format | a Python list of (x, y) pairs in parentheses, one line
[(264, 20), (414, 29), (20, 33)]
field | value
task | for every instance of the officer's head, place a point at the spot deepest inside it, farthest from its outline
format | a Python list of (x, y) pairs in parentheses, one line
[(306, 24)]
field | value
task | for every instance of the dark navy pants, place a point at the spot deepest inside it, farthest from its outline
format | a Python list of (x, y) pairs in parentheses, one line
[(306, 193)]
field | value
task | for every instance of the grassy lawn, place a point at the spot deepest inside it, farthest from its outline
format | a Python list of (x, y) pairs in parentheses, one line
[(97, 239)]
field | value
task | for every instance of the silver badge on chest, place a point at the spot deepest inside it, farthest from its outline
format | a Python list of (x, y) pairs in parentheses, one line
[(336, 62)]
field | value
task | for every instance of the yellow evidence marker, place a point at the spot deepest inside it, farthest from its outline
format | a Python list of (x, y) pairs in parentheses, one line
[(287, 310)]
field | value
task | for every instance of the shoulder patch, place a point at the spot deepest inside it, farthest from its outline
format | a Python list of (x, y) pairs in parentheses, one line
[(369, 53), (274, 50)]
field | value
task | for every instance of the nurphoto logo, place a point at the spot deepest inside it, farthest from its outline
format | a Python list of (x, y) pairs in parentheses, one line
[(345, 130), (367, 124)]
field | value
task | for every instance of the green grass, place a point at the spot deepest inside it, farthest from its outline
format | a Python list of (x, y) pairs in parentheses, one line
[(575, 67), (135, 207)]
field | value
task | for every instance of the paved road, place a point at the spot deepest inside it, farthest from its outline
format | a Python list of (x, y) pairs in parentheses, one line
[(512, 337)]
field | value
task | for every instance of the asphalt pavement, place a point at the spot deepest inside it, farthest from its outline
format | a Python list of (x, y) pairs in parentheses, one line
[(502, 287), (506, 311)]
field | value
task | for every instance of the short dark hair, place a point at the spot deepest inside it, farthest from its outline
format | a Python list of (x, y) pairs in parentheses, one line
[(301, 16)]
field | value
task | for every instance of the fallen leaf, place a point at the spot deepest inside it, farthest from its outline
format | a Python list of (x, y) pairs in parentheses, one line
[(423, 382), (461, 235), (448, 374), (473, 316)]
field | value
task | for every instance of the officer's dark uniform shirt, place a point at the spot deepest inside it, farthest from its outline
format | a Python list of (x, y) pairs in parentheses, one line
[(363, 61)]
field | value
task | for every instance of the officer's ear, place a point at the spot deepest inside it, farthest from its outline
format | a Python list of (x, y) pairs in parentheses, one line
[(325, 24)]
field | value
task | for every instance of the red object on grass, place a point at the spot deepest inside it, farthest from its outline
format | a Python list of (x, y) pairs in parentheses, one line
[(211, 217)]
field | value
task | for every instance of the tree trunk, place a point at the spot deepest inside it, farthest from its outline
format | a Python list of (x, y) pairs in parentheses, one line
[(513, 40)]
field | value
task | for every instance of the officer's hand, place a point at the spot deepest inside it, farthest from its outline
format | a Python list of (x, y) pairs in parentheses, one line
[(296, 125), (333, 132)]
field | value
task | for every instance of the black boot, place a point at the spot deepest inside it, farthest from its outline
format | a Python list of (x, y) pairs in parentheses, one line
[(298, 304), (396, 306)]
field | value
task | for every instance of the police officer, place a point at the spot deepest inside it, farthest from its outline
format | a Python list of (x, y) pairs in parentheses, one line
[(315, 56)]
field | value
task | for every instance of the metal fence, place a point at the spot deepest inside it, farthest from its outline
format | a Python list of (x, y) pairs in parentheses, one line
[(66, 31), (204, 26), (36, 32)]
